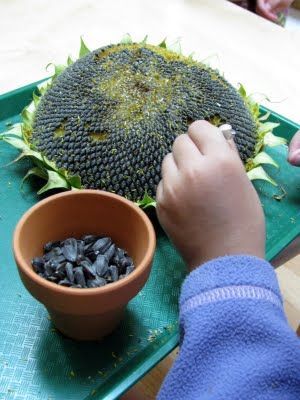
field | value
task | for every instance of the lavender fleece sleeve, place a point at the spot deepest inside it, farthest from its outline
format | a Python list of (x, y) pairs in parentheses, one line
[(236, 343)]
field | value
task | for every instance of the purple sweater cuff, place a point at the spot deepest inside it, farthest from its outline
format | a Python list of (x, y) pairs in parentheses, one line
[(230, 277)]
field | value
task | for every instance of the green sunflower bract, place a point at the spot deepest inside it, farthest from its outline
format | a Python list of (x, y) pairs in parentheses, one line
[(107, 120)]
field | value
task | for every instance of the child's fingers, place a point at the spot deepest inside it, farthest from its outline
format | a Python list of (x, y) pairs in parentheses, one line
[(185, 151), (207, 137)]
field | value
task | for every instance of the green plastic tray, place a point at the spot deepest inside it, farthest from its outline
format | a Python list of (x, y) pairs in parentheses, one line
[(38, 363)]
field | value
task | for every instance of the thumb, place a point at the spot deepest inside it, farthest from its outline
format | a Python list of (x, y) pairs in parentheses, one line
[(294, 150)]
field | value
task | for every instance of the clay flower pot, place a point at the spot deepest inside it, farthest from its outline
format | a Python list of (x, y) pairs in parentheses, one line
[(85, 314)]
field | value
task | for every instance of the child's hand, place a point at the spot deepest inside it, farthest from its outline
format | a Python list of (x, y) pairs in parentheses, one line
[(205, 201), (294, 150), (271, 8)]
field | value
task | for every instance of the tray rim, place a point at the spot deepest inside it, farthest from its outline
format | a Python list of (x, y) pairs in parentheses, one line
[(139, 366)]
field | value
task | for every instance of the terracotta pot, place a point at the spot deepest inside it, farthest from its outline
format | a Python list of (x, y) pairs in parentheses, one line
[(85, 314)]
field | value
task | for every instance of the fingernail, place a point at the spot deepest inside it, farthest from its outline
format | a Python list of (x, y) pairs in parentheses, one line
[(294, 158)]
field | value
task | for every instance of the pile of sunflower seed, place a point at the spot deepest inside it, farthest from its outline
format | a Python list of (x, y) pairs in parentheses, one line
[(89, 262)]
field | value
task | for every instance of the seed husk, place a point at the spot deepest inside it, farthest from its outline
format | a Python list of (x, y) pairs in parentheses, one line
[(50, 245), (109, 253), (79, 277), (69, 249), (114, 273), (65, 282), (94, 283), (129, 269), (69, 272), (101, 265), (38, 264), (89, 238), (102, 244), (80, 247), (88, 270), (56, 251)]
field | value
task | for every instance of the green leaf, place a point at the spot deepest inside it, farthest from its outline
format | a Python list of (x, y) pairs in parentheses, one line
[(55, 181), (259, 173), (242, 91), (15, 142), (267, 127), (75, 181), (69, 61), (147, 201), (36, 99), (35, 171), (264, 158), (265, 116), (272, 140), (16, 130), (163, 44), (49, 164), (32, 154), (83, 51), (27, 116), (43, 87), (144, 41), (58, 69), (126, 39)]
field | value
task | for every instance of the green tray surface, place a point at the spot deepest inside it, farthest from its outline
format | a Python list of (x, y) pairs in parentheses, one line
[(36, 361)]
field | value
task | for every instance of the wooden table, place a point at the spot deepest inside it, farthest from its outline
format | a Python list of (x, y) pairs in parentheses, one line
[(248, 49)]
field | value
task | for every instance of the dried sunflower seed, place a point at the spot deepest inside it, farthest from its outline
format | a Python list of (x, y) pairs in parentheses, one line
[(79, 277), (56, 251), (110, 252), (102, 244), (98, 282), (70, 249), (101, 265), (69, 272), (114, 273), (50, 245), (89, 238), (38, 264), (89, 270)]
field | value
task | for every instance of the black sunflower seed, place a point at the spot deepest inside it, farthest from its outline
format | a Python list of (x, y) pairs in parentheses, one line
[(89, 238), (69, 272), (52, 279), (38, 264), (110, 252), (59, 274), (79, 276), (48, 268), (102, 244), (50, 245), (88, 270), (114, 273), (56, 251), (98, 282), (101, 265), (70, 249), (129, 269), (120, 253), (88, 247), (92, 255), (84, 259), (65, 282), (58, 259), (80, 247)]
